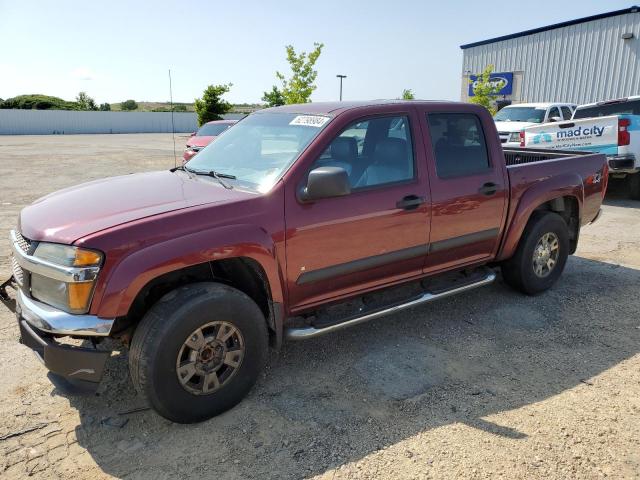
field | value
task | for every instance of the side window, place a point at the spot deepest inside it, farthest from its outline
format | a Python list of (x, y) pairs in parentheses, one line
[(376, 151), (458, 144), (566, 112), (553, 112)]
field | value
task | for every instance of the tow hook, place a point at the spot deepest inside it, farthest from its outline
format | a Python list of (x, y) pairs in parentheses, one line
[(3, 288)]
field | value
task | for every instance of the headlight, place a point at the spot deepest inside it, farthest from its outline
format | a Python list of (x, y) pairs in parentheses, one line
[(72, 297), (514, 137)]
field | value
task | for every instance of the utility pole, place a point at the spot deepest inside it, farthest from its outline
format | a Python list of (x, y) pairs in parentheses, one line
[(341, 77)]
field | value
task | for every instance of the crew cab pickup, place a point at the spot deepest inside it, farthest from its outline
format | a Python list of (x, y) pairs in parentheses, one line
[(611, 127), (298, 221)]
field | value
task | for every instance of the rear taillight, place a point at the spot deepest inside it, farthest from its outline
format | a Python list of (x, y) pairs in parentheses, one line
[(624, 138), (522, 138)]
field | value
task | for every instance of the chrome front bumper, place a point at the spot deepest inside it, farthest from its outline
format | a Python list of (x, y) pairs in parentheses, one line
[(54, 321)]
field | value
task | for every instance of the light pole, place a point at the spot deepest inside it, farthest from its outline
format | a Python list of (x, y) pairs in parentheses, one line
[(341, 77)]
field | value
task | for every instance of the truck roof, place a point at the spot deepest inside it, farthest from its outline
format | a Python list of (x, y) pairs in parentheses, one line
[(539, 104), (615, 100), (334, 108)]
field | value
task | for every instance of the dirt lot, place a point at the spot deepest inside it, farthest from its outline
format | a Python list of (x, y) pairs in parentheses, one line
[(489, 384)]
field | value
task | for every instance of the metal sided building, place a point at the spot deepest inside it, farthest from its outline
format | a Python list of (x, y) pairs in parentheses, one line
[(586, 60)]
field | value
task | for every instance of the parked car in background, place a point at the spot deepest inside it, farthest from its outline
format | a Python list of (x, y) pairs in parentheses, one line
[(511, 120), (299, 221), (203, 137), (611, 127)]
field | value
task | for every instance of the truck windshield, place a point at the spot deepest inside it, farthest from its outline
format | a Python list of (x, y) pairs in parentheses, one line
[(619, 108), (260, 148), (520, 114)]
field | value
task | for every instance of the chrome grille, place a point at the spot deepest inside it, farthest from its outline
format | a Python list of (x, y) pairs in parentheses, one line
[(24, 243), (17, 272)]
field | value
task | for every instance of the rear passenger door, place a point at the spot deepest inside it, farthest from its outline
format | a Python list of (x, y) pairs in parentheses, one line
[(468, 190)]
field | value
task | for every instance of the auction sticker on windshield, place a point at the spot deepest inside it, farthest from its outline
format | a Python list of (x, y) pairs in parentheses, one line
[(309, 120)]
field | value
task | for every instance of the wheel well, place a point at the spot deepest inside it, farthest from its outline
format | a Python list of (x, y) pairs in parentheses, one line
[(567, 208), (242, 273)]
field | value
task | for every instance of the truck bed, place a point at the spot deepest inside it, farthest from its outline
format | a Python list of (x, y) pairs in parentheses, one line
[(530, 170), (519, 156)]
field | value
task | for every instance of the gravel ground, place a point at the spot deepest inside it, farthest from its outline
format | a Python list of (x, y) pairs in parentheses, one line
[(485, 385)]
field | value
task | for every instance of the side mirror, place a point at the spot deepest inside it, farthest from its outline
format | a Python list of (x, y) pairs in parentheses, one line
[(325, 182), (193, 134), (555, 119)]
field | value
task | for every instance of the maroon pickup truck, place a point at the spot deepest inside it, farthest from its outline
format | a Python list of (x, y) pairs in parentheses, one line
[(298, 221)]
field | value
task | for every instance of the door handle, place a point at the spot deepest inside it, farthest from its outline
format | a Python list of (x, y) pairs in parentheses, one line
[(410, 202), (488, 188)]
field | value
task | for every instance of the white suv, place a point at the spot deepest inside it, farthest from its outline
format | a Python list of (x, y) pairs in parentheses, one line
[(511, 120)]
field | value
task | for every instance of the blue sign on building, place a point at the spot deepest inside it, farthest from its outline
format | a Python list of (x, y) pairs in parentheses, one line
[(505, 80)]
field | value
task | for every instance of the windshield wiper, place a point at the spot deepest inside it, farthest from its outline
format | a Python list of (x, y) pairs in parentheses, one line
[(219, 176), (182, 168), (209, 173)]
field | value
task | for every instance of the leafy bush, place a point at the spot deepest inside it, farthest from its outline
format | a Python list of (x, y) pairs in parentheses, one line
[(105, 107), (85, 102), (38, 102), (211, 106), (129, 105), (407, 94)]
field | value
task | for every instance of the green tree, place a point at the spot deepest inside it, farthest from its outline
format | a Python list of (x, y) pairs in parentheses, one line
[(212, 106), (104, 107), (407, 94), (274, 98), (85, 102), (129, 105), (299, 87), (484, 91)]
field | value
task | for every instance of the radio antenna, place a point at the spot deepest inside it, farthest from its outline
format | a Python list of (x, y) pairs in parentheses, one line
[(173, 128)]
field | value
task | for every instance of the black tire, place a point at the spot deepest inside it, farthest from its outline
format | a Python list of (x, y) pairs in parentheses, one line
[(519, 271), (162, 333), (634, 186)]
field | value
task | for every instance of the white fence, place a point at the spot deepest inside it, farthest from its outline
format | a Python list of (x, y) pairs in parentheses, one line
[(48, 122)]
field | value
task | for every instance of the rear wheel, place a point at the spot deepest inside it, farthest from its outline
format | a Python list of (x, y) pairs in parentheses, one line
[(634, 185), (198, 351), (541, 254)]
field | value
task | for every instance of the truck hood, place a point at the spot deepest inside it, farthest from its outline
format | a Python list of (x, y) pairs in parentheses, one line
[(72, 213), (513, 126)]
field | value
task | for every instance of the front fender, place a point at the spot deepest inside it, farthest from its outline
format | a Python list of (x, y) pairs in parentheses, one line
[(530, 197), (134, 271)]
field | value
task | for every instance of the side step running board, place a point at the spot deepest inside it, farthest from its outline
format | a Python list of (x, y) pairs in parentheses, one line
[(302, 333)]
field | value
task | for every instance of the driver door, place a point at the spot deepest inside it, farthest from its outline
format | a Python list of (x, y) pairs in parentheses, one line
[(376, 235)]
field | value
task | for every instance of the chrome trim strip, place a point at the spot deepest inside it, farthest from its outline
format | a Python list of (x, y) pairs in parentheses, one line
[(51, 270), (304, 333), (51, 320)]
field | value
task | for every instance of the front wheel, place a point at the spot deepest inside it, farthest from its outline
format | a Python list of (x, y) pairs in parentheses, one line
[(541, 254), (198, 351)]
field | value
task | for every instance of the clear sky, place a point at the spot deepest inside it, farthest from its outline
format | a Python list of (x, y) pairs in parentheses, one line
[(115, 50)]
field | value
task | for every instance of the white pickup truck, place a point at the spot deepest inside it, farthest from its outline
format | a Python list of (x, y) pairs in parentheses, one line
[(611, 127), (512, 119)]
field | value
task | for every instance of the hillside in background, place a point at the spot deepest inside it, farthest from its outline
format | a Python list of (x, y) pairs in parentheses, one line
[(166, 107), (45, 102)]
